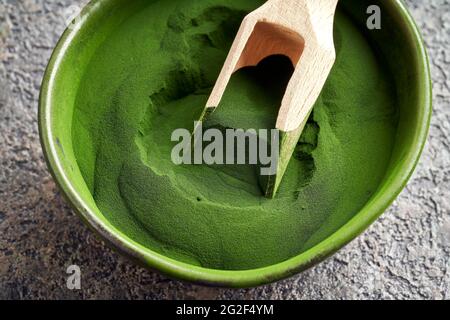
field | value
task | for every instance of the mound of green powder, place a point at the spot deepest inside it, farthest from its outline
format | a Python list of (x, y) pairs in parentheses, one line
[(154, 75)]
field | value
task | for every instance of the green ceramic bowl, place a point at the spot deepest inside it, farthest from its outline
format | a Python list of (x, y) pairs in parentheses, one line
[(404, 51)]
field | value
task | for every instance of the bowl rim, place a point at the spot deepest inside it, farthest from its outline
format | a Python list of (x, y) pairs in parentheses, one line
[(239, 278)]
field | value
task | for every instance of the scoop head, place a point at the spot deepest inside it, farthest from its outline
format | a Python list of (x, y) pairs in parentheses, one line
[(302, 30)]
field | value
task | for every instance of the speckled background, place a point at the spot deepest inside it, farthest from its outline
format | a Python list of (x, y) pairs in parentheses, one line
[(404, 255)]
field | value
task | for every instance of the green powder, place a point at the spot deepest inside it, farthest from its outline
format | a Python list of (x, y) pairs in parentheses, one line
[(154, 74)]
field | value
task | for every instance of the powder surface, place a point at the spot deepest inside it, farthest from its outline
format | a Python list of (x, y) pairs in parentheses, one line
[(154, 74)]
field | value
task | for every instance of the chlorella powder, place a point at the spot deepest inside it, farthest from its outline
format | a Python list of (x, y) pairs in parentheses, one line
[(154, 73)]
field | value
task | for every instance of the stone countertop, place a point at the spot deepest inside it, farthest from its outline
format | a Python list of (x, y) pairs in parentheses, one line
[(404, 255)]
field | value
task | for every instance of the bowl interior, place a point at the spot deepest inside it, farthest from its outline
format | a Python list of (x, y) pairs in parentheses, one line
[(100, 19)]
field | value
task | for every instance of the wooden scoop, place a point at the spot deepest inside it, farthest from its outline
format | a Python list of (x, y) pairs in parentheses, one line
[(302, 30)]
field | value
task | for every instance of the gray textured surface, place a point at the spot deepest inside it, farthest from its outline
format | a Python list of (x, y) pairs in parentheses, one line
[(404, 255)]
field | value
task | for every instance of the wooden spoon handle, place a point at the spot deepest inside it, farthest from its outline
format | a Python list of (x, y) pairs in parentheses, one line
[(325, 6), (297, 14)]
